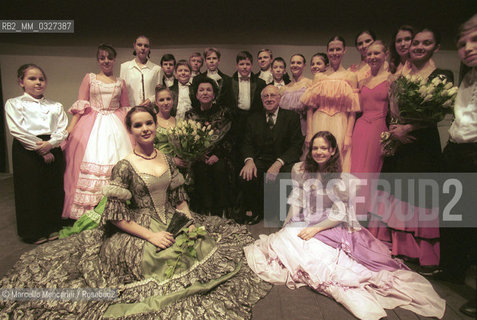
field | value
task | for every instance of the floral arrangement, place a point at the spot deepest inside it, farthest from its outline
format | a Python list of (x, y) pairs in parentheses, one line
[(188, 140), (185, 246), (418, 100)]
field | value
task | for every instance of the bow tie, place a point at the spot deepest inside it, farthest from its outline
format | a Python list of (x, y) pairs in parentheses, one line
[(244, 78)]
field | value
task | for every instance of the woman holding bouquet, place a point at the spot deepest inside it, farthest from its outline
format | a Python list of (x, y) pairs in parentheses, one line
[(132, 252), (420, 146), (418, 150), (214, 173)]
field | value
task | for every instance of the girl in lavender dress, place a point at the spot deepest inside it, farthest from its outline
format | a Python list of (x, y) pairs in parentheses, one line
[(294, 90), (323, 245)]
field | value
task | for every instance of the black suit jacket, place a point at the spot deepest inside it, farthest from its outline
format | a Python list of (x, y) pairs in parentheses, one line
[(256, 87), (164, 81), (175, 96), (286, 133)]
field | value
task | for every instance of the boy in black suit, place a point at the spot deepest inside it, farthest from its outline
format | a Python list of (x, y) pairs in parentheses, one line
[(212, 61), (168, 64)]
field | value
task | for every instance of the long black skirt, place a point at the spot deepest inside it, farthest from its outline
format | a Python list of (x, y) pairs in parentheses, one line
[(39, 192)]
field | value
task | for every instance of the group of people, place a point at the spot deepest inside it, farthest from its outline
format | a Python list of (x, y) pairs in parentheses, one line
[(267, 122)]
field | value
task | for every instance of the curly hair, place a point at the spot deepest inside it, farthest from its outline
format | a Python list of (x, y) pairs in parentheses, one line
[(332, 168)]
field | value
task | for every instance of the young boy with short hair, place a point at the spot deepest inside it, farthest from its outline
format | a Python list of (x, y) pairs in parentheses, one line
[(278, 68), (168, 64)]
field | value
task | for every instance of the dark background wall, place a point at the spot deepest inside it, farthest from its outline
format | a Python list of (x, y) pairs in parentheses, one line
[(186, 22)]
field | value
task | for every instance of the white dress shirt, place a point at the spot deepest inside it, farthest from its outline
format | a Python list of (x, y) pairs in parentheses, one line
[(184, 104), (214, 75), (464, 127), (169, 82), (28, 118), (150, 74), (266, 76), (244, 99), (274, 119), (279, 84)]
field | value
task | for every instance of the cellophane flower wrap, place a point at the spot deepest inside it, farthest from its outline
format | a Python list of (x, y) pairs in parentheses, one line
[(188, 140), (420, 101)]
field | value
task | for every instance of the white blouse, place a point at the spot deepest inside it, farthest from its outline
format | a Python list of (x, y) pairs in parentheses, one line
[(28, 118), (140, 81), (464, 127)]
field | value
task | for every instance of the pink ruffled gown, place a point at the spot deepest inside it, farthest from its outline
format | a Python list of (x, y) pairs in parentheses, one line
[(98, 141), (366, 147), (345, 262), (332, 100)]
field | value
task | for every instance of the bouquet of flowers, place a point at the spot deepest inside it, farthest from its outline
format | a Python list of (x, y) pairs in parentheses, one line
[(419, 101), (189, 140)]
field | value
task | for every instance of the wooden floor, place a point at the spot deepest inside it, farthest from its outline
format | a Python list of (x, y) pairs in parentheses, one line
[(280, 304)]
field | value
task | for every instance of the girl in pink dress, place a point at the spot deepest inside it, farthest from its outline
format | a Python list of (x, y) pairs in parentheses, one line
[(366, 152), (333, 100), (322, 245), (98, 138)]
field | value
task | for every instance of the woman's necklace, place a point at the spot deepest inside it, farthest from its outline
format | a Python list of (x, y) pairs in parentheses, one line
[(146, 158)]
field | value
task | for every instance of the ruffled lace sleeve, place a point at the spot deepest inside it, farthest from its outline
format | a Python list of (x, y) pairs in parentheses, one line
[(343, 192), (118, 193), (176, 191), (296, 196), (82, 104), (332, 96)]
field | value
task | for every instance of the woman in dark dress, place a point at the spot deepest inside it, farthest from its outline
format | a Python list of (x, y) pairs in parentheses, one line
[(397, 222), (213, 176)]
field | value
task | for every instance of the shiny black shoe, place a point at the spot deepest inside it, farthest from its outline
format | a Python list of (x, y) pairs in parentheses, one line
[(254, 220), (469, 309)]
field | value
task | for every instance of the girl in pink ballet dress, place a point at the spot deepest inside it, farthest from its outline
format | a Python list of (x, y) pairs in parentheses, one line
[(332, 101), (322, 245), (98, 138), (366, 152)]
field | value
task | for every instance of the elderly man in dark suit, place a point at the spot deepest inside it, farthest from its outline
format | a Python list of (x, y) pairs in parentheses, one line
[(272, 144)]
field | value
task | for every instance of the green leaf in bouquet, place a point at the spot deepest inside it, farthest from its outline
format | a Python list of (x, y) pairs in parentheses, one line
[(201, 232), (193, 253), (181, 239), (179, 250), (169, 271), (171, 263)]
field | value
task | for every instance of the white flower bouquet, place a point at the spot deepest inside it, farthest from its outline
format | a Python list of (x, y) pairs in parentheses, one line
[(188, 140), (418, 101)]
